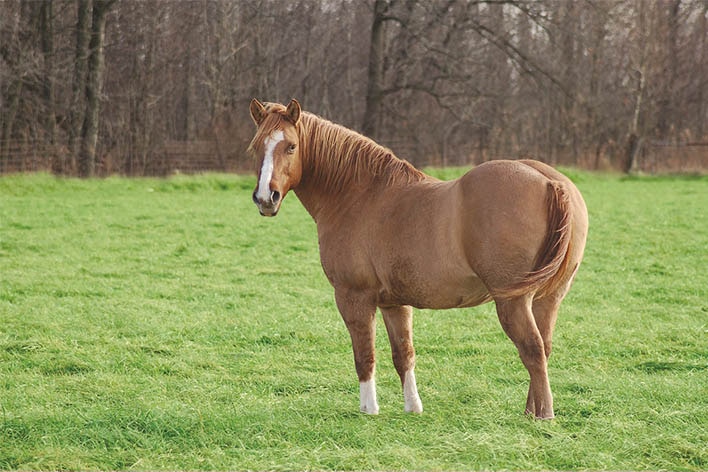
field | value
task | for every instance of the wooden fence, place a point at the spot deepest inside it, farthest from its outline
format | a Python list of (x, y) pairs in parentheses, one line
[(189, 157)]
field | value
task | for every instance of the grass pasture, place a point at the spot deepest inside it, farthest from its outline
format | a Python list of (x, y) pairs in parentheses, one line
[(163, 324)]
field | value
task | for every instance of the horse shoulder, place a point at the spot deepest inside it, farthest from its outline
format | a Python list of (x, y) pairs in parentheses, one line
[(344, 253)]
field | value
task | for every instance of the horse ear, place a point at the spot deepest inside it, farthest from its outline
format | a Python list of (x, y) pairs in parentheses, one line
[(258, 111), (292, 112)]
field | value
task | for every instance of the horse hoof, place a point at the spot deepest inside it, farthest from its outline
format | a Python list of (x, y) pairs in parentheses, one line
[(416, 407), (540, 416)]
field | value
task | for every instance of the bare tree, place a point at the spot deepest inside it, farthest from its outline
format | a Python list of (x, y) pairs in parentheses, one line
[(46, 28), (77, 104), (438, 81), (94, 80)]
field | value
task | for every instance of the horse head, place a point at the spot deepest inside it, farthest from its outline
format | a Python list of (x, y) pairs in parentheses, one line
[(275, 146)]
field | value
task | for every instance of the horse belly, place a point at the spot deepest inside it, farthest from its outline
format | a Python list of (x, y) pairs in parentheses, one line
[(428, 288), (471, 293)]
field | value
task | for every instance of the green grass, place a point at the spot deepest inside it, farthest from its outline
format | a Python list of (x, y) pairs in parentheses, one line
[(163, 324)]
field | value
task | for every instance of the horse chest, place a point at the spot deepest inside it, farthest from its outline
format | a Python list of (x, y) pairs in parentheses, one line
[(345, 263)]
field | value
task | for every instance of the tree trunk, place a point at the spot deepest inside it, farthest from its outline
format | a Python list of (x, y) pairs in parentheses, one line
[(703, 63), (567, 143), (46, 27), (374, 93), (667, 118), (12, 54), (78, 87), (89, 130), (184, 130), (47, 42), (9, 112), (635, 131)]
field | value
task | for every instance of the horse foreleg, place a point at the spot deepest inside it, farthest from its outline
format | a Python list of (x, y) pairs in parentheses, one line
[(360, 318), (519, 324), (399, 325)]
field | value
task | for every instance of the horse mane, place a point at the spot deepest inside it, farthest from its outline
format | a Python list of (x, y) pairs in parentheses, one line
[(335, 156)]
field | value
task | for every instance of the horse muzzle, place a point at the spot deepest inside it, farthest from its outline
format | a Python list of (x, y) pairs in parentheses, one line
[(270, 205)]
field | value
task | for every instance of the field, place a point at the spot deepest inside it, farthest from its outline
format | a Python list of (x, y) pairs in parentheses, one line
[(163, 324)]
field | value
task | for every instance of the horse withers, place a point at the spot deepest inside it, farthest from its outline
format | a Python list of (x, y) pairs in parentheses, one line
[(393, 238)]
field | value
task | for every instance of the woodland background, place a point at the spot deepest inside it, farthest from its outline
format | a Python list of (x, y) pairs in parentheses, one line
[(97, 87)]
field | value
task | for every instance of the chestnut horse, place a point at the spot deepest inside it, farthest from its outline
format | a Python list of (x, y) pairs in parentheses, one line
[(394, 238)]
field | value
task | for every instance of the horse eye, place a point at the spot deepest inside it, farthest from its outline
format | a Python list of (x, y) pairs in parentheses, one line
[(291, 149)]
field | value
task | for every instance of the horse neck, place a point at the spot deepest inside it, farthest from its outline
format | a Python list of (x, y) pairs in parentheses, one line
[(340, 166)]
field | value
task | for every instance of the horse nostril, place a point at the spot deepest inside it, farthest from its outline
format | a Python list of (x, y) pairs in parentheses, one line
[(255, 198), (275, 196)]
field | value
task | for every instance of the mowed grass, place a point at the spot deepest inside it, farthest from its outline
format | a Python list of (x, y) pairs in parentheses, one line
[(163, 324)]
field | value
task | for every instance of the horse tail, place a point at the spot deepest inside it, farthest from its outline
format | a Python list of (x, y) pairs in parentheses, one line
[(552, 261)]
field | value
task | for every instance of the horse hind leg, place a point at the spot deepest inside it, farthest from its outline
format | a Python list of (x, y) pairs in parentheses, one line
[(399, 325), (545, 312), (517, 319)]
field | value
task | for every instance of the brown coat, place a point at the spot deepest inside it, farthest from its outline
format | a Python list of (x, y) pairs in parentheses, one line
[(392, 237)]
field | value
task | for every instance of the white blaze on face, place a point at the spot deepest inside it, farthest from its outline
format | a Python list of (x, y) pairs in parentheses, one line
[(263, 193)]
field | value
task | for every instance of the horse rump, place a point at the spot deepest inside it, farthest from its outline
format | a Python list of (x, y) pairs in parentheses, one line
[(551, 264)]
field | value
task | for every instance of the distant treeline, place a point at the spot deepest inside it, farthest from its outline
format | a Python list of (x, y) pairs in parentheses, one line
[(91, 87)]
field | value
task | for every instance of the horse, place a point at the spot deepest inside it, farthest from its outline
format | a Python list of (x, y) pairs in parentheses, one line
[(392, 238)]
